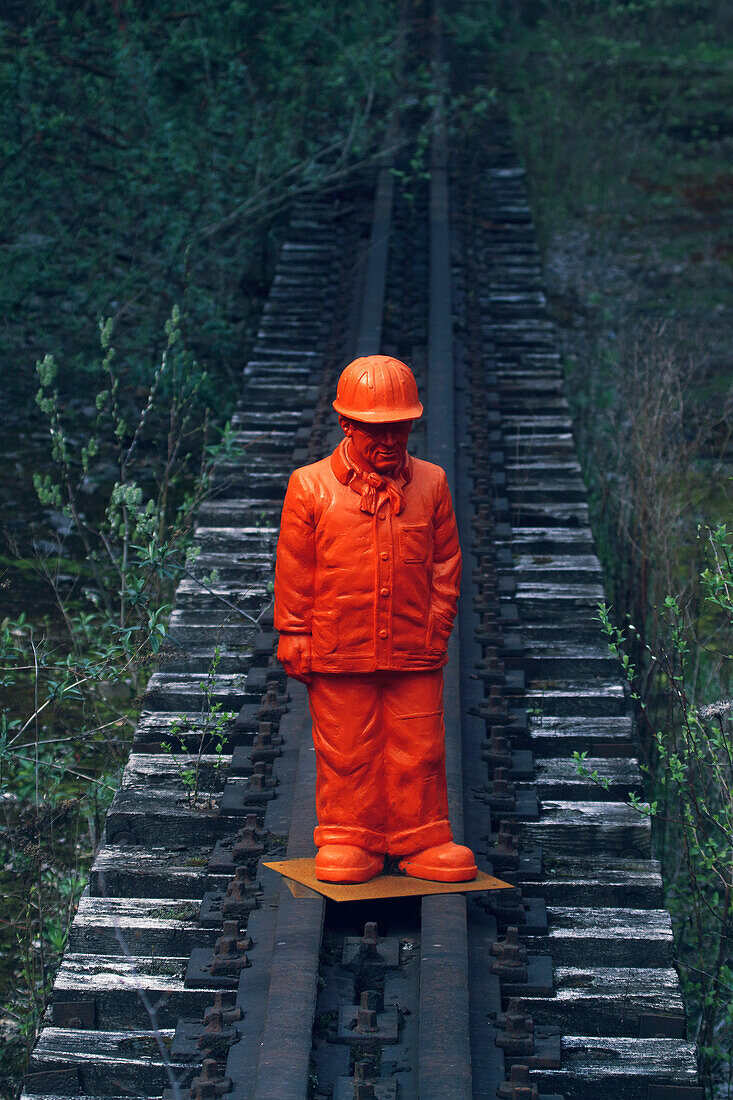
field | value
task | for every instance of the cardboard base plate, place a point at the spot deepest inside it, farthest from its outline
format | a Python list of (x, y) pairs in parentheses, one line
[(301, 878)]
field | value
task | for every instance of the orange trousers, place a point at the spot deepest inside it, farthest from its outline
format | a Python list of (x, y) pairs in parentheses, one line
[(380, 760)]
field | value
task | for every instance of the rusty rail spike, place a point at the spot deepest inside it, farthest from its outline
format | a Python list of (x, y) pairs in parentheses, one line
[(370, 1005), (517, 1030), (210, 1084), (510, 957), (519, 1086)]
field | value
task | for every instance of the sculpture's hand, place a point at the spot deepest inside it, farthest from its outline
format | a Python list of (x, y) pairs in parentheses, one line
[(294, 654)]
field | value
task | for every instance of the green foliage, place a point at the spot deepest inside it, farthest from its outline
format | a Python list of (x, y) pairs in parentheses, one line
[(693, 783), (148, 134), (411, 178), (476, 29), (71, 683), (605, 97)]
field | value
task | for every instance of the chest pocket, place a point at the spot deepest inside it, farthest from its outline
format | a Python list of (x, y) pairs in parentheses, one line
[(414, 543)]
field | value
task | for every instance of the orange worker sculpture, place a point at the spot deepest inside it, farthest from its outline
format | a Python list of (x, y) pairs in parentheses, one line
[(366, 587)]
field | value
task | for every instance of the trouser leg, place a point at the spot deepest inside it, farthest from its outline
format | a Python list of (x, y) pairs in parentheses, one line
[(348, 739), (414, 761)]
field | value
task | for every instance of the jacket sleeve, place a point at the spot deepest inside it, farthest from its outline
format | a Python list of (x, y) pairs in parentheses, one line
[(447, 560), (296, 557)]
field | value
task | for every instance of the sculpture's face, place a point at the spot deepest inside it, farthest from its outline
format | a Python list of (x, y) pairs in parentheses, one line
[(378, 448)]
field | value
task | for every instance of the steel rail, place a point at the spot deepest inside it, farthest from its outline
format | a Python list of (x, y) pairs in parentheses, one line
[(445, 1053)]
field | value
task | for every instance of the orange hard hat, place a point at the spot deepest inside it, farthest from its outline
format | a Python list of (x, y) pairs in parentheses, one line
[(378, 389)]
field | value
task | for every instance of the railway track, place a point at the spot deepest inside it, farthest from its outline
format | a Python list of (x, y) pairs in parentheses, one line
[(191, 969)]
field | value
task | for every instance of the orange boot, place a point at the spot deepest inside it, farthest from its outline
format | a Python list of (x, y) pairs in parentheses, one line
[(347, 863), (442, 863)]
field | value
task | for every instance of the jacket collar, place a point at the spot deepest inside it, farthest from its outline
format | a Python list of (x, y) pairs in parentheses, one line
[(344, 469)]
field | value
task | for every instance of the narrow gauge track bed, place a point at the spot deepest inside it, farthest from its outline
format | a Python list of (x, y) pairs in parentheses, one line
[(189, 967)]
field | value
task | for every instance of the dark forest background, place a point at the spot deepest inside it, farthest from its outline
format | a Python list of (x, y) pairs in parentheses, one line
[(150, 154)]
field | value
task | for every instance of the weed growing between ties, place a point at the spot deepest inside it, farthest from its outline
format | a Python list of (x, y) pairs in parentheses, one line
[(200, 770)]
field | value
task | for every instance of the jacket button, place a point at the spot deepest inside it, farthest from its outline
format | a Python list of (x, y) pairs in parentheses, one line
[(383, 633), (384, 555), (382, 515), (384, 592)]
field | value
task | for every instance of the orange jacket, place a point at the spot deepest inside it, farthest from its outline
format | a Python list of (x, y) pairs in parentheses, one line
[(372, 575)]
